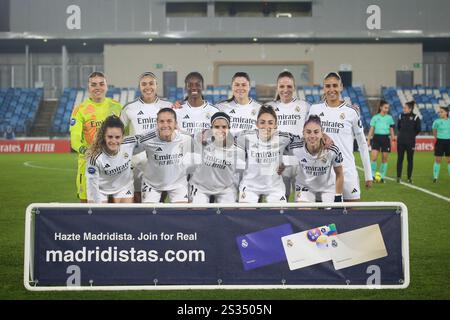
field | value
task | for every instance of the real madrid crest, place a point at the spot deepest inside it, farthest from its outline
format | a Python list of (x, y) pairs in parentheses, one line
[(297, 109), (289, 243), (253, 112), (208, 116), (342, 116), (125, 155)]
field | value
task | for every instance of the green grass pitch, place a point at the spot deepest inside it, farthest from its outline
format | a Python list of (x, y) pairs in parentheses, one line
[(51, 178)]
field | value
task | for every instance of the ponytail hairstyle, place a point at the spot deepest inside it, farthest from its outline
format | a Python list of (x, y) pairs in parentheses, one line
[(197, 75), (168, 110), (285, 74), (239, 75), (99, 143), (381, 104), (411, 104), (316, 119), (146, 74), (265, 108), (96, 74)]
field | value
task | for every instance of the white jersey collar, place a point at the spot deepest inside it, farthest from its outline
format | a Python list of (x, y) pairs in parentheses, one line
[(339, 106), (143, 102)]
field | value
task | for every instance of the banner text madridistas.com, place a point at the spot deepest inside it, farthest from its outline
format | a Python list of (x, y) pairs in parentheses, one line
[(114, 254)]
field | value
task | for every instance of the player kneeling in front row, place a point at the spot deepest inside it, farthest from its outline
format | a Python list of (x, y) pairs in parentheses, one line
[(221, 159), (320, 175), (108, 171)]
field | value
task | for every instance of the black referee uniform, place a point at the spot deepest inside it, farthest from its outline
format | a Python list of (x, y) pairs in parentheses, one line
[(408, 127)]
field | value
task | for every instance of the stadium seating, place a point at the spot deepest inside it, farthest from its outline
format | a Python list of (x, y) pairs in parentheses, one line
[(18, 108), (428, 101)]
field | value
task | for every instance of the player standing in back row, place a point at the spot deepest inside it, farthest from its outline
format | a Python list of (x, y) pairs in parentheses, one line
[(240, 107), (86, 119), (292, 113), (139, 116), (343, 124), (195, 113)]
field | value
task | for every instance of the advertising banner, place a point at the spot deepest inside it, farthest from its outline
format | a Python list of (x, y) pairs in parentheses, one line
[(175, 246), (34, 146)]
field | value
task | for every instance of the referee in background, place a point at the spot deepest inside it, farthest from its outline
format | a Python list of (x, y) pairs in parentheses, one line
[(408, 127)]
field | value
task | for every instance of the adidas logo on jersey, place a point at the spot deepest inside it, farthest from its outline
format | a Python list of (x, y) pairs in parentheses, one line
[(159, 149), (277, 109), (304, 160), (140, 113), (128, 192), (232, 111), (321, 114), (354, 190), (186, 117), (107, 166), (283, 198)]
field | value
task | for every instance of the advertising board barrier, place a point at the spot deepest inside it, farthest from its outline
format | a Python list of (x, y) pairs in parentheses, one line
[(236, 246)]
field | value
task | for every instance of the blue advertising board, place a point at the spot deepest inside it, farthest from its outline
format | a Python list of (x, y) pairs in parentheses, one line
[(138, 246)]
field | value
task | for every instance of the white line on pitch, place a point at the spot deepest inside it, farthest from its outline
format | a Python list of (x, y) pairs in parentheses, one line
[(29, 164), (415, 187)]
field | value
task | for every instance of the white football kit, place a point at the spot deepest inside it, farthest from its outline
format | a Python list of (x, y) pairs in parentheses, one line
[(291, 118), (195, 119), (263, 159), (166, 167), (140, 117), (215, 176), (242, 117), (111, 175), (315, 174), (343, 124)]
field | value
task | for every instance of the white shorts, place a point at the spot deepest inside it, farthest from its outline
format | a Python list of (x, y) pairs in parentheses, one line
[(138, 163), (352, 190), (309, 196), (151, 195), (198, 195), (125, 193), (272, 196)]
